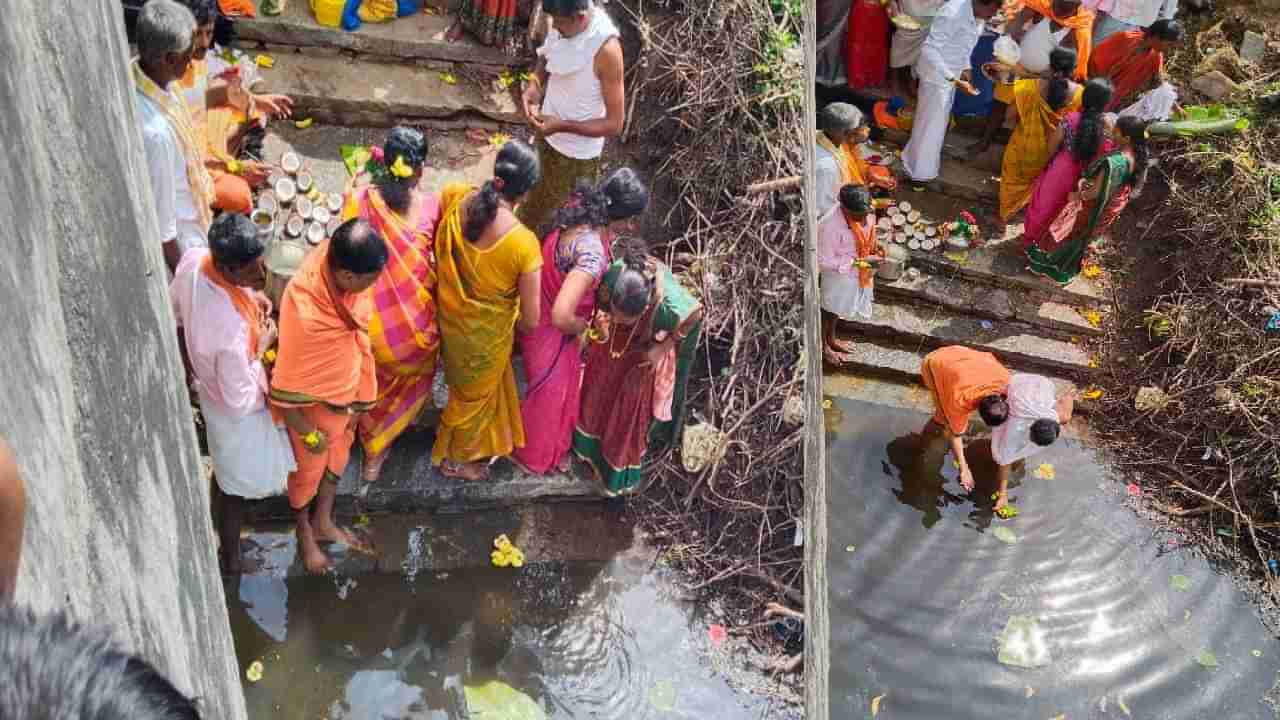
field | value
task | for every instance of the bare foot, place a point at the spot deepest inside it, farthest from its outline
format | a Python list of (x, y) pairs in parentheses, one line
[(839, 345), (316, 562), (565, 464), (327, 532), (455, 32), (835, 357), (464, 471), (373, 466)]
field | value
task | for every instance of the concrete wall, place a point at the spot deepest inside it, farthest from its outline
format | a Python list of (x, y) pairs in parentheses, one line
[(118, 528)]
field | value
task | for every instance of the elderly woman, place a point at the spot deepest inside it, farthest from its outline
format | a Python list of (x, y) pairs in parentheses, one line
[(489, 278), (403, 329), (574, 257), (633, 389), (842, 129)]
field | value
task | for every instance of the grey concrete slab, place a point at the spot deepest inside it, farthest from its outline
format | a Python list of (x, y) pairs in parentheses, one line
[(1003, 265)]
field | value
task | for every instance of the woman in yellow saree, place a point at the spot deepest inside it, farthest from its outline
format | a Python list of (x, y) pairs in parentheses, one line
[(402, 329), (1039, 105), (488, 275)]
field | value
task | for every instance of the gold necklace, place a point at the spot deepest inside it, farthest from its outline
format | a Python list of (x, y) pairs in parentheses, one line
[(616, 354)]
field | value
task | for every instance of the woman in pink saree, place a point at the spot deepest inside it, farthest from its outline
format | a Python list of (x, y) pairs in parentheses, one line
[(1082, 137), (575, 254)]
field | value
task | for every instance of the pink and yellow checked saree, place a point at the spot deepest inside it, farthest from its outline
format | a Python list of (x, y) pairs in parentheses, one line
[(403, 330)]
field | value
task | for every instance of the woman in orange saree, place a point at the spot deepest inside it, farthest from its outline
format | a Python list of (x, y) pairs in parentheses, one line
[(402, 329), (1040, 105), (1134, 60), (488, 280)]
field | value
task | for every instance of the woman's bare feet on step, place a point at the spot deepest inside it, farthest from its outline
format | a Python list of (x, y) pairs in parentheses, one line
[(373, 466), (455, 31), (466, 471), (313, 558)]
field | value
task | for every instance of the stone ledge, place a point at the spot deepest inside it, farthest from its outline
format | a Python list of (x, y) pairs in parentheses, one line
[(1010, 341), (1002, 266), (414, 37)]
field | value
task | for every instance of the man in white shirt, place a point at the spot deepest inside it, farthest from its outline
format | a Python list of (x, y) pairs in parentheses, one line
[(907, 43), (942, 67), (574, 100), (227, 330), (181, 187), (1120, 15)]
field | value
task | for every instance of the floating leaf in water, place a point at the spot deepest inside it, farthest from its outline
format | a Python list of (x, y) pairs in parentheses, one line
[(1186, 616), (850, 548), (662, 696), (254, 673), (1207, 659), (498, 701), (1022, 643), (1123, 707), (1005, 535), (1181, 583), (1008, 598), (1045, 472), (1257, 653), (448, 78), (875, 704)]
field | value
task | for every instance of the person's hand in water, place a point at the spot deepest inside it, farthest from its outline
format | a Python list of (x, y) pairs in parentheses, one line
[(966, 477), (1002, 499)]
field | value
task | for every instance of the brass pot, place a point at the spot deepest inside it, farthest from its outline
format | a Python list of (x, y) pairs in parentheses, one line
[(895, 262)]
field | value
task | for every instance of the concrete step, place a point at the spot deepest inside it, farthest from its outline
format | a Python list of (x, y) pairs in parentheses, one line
[(414, 37), (1016, 344), (1003, 265), (352, 92), (877, 359), (961, 295)]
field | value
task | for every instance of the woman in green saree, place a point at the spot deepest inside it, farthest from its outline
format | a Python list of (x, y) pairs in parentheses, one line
[(1106, 187), (640, 349)]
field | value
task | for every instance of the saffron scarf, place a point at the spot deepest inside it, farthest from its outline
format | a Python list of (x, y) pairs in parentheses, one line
[(1081, 24), (864, 241), (175, 109), (241, 300)]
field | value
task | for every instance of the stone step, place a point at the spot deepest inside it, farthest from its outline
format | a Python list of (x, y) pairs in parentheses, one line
[(353, 92), (874, 358), (1012, 302), (414, 37), (1016, 344), (1002, 265)]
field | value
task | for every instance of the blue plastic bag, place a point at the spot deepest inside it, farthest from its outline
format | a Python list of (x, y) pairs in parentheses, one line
[(351, 16), (408, 7)]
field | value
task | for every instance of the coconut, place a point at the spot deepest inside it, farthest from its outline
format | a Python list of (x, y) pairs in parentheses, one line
[(885, 223), (930, 231), (320, 215), (905, 207), (295, 225), (291, 163), (315, 233), (305, 182), (267, 203), (899, 220), (900, 238), (286, 190), (304, 207), (335, 203), (913, 244)]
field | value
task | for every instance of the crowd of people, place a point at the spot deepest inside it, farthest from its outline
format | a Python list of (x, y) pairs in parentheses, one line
[(412, 281), (1077, 82)]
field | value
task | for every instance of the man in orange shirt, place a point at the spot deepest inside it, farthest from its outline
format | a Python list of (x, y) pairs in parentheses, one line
[(324, 377), (963, 380)]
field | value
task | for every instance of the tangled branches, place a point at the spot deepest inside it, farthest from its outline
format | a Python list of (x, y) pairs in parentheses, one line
[(1192, 324), (717, 93)]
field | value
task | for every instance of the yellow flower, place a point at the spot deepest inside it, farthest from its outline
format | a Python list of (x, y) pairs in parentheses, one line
[(269, 357), (448, 78), (311, 439), (1091, 271), (265, 61), (303, 124), (1008, 511), (826, 404), (1045, 472), (1093, 317), (400, 169), (506, 79), (506, 554), (499, 139), (1093, 361), (254, 673), (499, 558), (1092, 394), (502, 542), (233, 166)]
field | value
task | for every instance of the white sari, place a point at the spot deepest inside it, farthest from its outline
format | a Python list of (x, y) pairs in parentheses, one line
[(1031, 398)]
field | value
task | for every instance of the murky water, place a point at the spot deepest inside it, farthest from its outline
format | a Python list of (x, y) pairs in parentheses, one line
[(589, 628), (1074, 609)]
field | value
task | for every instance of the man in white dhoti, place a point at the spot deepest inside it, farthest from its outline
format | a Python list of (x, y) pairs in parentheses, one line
[(226, 325), (1036, 416), (904, 48), (942, 67)]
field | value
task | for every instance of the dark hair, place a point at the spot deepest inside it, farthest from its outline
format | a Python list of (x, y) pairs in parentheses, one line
[(1135, 129), (840, 117), (633, 286), (205, 11), (1169, 31), (1088, 139), (994, 410), (1062, 63), (855, 198), (234, 241), (411, 145), (1044, 432), (622, 195), (357, 248), (565, 8), (53, 668), (515, 172)]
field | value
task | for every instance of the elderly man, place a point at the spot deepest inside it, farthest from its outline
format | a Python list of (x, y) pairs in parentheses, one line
[(943, 66), (1037, 413), (217, 298), (324, 377), (842, 129), (963, 380), (180, 184), (574, 100), (13, 508), (221, 110), (1133, 61)]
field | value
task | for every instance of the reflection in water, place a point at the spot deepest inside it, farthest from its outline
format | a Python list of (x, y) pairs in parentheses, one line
[(1074, 617), (575, 640)]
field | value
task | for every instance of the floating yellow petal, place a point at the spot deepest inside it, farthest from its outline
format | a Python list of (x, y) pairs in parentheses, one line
[(1124, 707), (448, 78), (1045, 472), (1093, 317), (254, 673), (265, 61), (875, 704), (400, 169), (499, 139), (311, 439), (303, 124), (1092, 394)]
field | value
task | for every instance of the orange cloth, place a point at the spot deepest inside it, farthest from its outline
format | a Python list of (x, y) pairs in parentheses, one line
[(959, 378), (324, 355), (238, 8), (864, 244), (241, 300), (1081, 23), (312, 467), (231, 193), (1122, 60)]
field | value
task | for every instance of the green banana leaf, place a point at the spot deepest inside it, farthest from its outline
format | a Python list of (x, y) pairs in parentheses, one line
[(499, 701), (1202, 120)]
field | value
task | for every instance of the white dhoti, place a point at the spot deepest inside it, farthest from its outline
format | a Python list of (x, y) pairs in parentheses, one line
[(1031, 398), (252, 457), (905, 48), (922, 157), (843, 297)]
